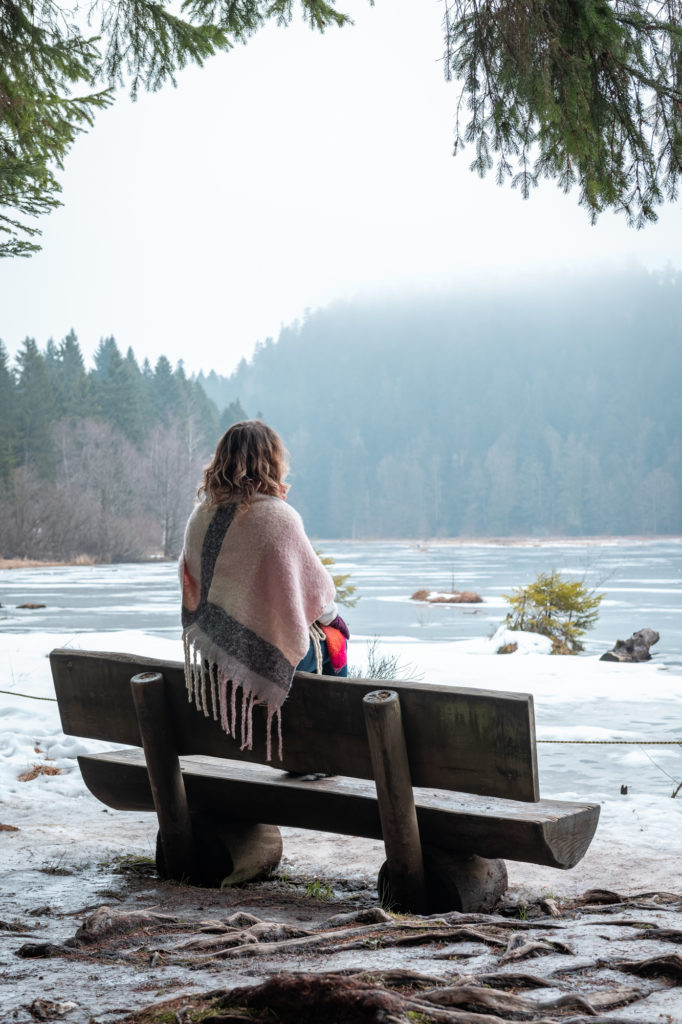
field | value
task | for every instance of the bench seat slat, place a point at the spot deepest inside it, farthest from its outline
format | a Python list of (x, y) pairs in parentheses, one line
[(549, 832)]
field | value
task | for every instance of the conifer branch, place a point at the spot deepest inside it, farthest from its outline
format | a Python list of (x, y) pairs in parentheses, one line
[(587, 93)]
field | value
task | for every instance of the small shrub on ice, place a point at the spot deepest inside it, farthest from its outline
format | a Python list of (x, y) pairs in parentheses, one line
[(554, 606)]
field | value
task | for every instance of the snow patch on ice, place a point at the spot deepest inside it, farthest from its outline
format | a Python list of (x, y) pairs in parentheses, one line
[(526, 643)]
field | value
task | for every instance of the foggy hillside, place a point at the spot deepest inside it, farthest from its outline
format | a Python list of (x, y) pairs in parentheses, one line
[(550, 409)]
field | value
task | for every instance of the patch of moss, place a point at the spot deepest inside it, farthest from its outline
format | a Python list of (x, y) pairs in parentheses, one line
[(133, 864)]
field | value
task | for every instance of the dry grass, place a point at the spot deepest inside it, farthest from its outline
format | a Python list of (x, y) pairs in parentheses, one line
[(447, 597), (26, 563), (39, 769), (508, 648), (38, 563)]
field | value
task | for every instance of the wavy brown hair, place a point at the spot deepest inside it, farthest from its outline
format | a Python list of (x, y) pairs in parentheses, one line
[(250, 459)]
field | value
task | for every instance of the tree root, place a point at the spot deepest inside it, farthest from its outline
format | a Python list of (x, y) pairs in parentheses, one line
[(520, 947), (577, 986), (352, 1000), (669, 966), (106, 921), (387, 933), (311, 941)]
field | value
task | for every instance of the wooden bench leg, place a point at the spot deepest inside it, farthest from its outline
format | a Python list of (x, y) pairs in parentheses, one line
[(231, 852), (205, 849), (397, 812), (165, 776), (472, 885)]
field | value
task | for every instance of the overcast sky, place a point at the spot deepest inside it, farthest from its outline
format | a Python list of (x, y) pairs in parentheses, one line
[(291, 172)]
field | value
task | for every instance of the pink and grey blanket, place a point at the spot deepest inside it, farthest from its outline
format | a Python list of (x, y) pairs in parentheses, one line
[(251, 587)]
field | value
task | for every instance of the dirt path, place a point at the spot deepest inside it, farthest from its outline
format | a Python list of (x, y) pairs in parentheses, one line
[(162, 953), (549, 958)]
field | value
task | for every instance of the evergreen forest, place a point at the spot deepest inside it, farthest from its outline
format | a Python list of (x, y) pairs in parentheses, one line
[(100, 463), (547, 410)]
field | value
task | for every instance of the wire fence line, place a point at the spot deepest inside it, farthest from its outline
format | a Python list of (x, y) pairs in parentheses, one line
[(29, 696), (641, 743)]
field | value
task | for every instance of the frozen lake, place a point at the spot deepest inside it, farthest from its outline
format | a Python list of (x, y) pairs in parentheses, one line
[(642, 583), (135, 607)]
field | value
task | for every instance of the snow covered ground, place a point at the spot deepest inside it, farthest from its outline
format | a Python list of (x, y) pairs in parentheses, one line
[(601, 727), (637, 846)]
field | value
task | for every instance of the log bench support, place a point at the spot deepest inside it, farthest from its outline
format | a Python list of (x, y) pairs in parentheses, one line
[(414, 878), (212, 850), (395, 799), (165, 776)]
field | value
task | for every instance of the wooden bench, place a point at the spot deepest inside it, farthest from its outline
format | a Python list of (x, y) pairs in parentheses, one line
[(446, 776)]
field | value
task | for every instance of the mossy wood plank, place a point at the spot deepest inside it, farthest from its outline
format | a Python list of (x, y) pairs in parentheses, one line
[(472, 741), (555, 833)]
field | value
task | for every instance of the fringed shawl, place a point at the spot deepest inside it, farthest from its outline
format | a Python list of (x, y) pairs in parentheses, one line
[(251, 587)]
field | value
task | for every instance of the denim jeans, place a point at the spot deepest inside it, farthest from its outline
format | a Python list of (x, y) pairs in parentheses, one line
[(309, 664)]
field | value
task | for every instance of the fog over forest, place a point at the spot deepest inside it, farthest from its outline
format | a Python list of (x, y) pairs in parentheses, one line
[(544, 410)]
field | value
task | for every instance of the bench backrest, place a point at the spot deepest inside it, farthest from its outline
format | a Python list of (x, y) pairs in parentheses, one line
[(472, 741)]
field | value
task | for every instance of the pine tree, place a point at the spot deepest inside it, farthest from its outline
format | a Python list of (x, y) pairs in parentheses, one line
[(74, 395), (35, 409), (132, 419), (195, 416), (165, 392), (204, 413), (104, 353), (7, 416), (51, 356), (117, 390), (346, 593), (142, 414), (556, 607), (232, 413), (108, 363)]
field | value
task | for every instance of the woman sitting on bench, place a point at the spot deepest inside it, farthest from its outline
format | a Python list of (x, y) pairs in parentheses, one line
[(257, 603)]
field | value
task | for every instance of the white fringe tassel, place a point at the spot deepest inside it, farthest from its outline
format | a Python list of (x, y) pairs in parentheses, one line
[(188, 668), (214, 691), (202, 678)]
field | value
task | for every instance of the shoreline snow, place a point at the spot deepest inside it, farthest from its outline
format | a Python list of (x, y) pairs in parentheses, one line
[(12, 564)]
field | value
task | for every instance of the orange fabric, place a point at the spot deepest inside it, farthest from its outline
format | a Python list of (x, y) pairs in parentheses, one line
[(336, 646)]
